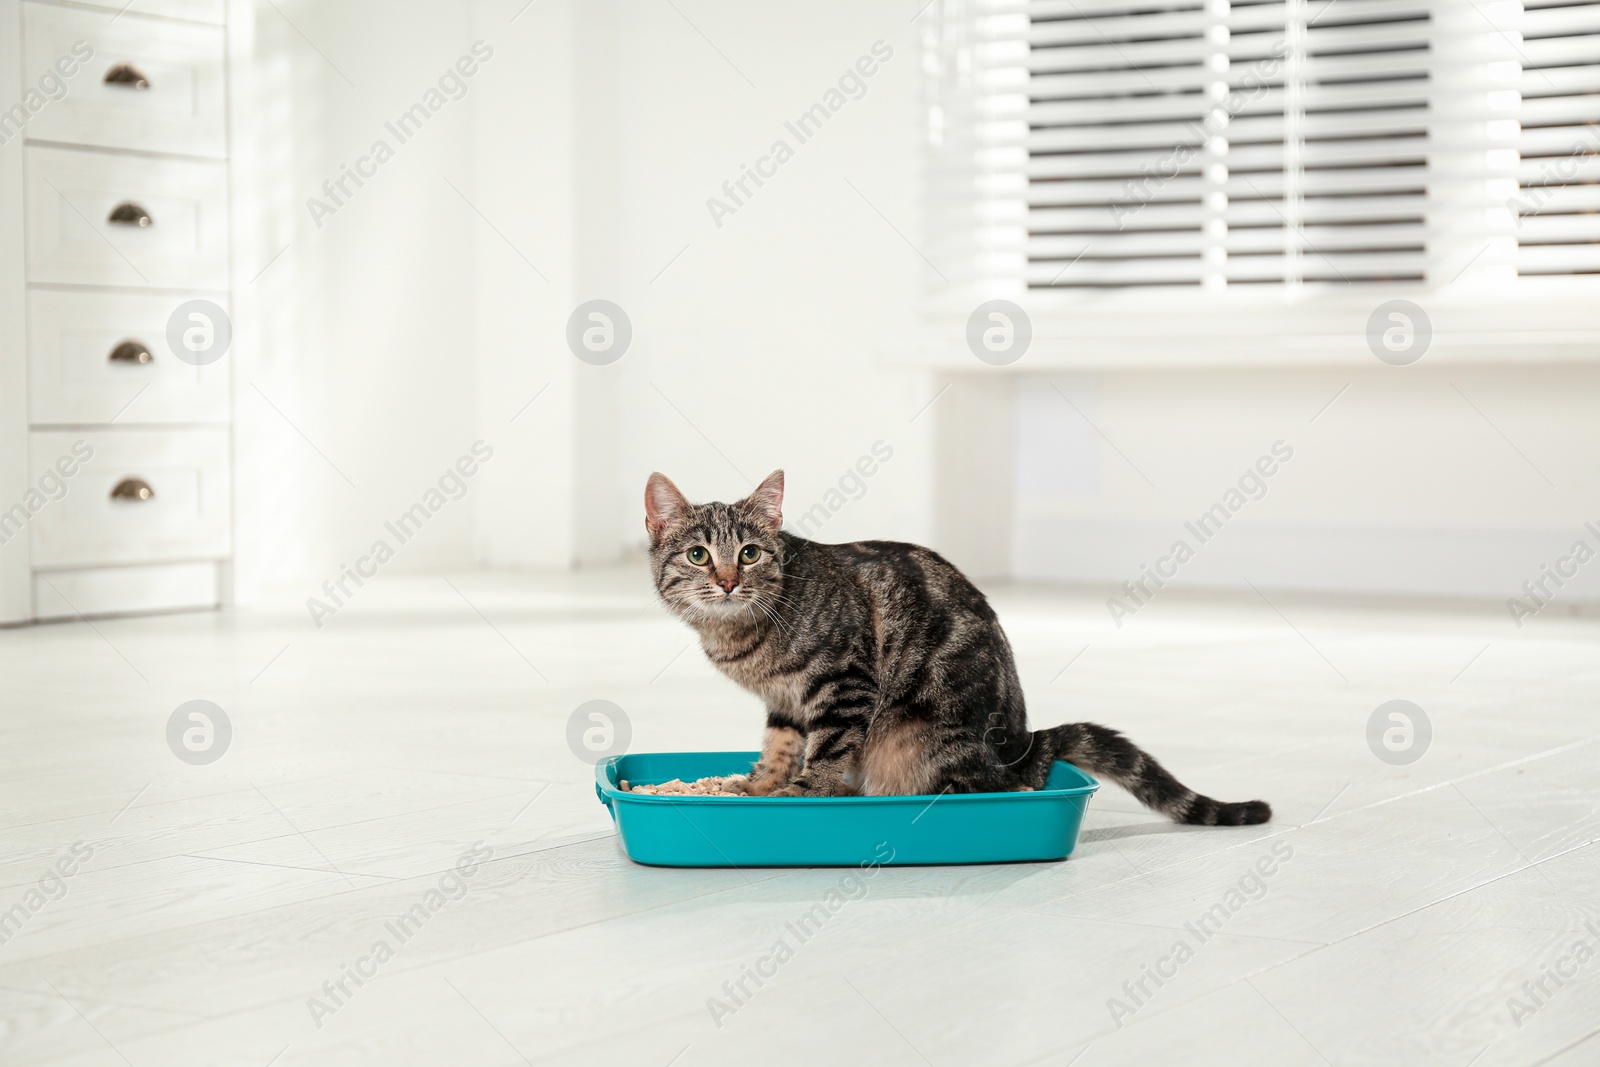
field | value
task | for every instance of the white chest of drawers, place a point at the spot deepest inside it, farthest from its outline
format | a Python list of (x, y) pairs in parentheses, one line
[(115, 446)]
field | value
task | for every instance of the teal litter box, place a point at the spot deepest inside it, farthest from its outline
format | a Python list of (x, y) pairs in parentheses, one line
[(696, 831)]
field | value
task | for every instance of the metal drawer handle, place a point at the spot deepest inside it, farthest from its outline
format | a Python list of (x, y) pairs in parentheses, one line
[(123, 74), (128, 213), (131, 352), (132, 489)]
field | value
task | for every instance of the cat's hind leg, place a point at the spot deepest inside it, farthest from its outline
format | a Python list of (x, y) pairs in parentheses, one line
[(908, 756)]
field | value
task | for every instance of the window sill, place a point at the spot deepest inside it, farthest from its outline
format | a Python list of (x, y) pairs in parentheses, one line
[(1152, 329)]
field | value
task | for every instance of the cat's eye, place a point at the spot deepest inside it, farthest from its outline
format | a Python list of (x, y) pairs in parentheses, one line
[(698, 556), (749, 554)]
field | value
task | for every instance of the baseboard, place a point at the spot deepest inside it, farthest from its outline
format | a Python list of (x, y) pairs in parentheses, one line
[(132, 590)]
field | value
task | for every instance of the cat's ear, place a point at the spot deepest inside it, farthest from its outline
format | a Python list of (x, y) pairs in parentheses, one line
[(663, 504), (766, 503)]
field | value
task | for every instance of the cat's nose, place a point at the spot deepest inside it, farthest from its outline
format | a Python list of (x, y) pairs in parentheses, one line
[(728, 584)]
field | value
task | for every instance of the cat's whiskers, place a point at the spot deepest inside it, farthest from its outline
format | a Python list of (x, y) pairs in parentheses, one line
[(753, 605), (786, 600), (787, 632)]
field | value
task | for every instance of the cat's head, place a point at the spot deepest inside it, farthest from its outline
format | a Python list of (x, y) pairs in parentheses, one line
[(716, 561)]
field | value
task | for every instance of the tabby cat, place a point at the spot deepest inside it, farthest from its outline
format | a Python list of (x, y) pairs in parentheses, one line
[(883, 669)]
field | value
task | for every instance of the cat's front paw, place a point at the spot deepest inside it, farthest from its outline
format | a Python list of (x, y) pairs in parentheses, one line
[(803, 788), (736, 783), (760, 784)]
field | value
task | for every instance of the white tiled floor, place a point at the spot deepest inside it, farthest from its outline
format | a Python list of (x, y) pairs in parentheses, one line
[(368, 755)]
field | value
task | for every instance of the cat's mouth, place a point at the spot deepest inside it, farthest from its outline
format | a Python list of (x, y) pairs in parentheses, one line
[(721, 605)]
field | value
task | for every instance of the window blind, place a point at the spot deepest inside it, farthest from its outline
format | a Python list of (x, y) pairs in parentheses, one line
[(1086, 146), (1558, 176), (1207, 143)]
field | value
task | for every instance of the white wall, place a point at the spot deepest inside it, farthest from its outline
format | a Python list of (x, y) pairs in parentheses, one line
[(1399, 486), (759, 346), (523, 178), (413, 323), (410, 324), (360, 388)]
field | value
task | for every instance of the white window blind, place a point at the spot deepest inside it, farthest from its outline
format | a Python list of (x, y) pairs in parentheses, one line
[(1558, 175), (1252, 146), (1227, 143)]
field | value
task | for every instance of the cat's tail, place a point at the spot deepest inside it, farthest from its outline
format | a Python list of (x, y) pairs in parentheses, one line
[(1103, 751)]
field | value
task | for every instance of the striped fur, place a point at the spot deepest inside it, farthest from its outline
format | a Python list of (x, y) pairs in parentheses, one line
[(883, 669)]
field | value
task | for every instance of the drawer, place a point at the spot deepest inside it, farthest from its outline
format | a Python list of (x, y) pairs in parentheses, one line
[(182, 108), (185, 516), (72, 196), (209, 11), (72, 377)]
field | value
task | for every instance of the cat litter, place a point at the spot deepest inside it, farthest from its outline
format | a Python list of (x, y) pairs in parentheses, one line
[(700, 787)]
